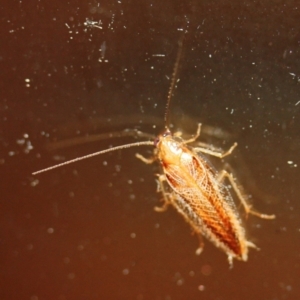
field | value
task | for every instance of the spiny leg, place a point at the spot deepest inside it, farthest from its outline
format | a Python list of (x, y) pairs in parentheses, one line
[(147, 161), (160, 185), (215, 153), (205, 148), (201, 244), (224, 174), (230, 260), (166, 195), (194, 138), (251, 245)]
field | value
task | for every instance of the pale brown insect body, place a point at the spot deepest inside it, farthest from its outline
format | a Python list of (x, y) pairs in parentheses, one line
[(193, 188), (203, 201)]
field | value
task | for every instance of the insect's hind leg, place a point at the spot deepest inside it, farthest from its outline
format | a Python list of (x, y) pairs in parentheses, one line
[(248, 208)]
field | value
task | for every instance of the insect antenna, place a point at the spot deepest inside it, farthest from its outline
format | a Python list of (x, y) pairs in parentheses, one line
[(137, 144), (174, 79)]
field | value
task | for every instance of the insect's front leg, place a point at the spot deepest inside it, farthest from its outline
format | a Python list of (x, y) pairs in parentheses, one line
[(196, 136), (147, 161), (215, 153), (167, 197), (243, 199)]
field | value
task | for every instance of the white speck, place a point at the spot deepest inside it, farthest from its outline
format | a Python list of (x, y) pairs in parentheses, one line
[(180, 282), (29, 147), (50, 230), (158, 55), (290, 162), (58, 158), (133, 235), (132, 196), (125, 272), (103, 49), (104, 163), (129, 181), (201, 288), (209, 55), (11, 153), (27, 80), (297, 103), (67, 25), (20, 142), (34, 183)]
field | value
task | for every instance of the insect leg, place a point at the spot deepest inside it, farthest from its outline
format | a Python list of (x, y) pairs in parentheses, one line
[(160, 184), (201, 244), (147, 161), (215, 153), (195, 137), (248, 208), (166, 195)]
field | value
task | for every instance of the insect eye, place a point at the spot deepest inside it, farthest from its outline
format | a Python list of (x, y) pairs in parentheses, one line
[(167, 133)]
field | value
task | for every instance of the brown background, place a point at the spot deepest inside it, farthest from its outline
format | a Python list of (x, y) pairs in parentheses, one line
[(88, 230)]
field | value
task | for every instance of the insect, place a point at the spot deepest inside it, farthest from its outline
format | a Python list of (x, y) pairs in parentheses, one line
[(193, 187)]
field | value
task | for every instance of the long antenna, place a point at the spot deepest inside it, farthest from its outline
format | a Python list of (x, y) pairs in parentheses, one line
[(137, 144), (174, 78)]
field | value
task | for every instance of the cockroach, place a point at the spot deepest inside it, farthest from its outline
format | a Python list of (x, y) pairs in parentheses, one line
[(193, 187)]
